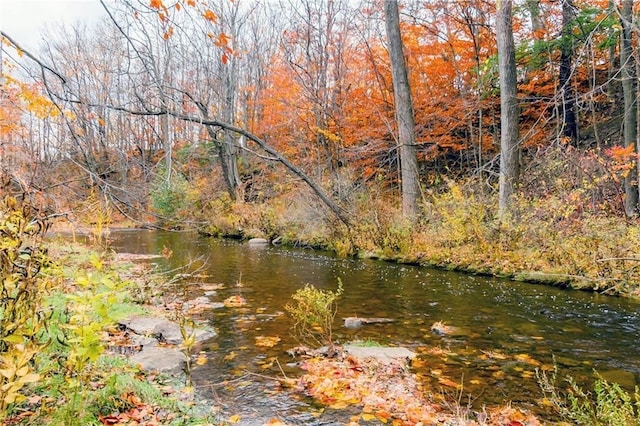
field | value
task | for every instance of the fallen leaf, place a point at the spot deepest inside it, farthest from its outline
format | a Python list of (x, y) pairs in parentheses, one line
[(267, 341), (234, 301), (201, 359), (445, 381), (230, 357)]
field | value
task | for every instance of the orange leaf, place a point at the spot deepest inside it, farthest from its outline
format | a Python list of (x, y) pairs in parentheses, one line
[(222, 40), (210, 16), (191, 3), (156, 4)]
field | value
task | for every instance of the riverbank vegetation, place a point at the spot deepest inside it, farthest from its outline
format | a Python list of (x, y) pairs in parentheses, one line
[(58, 324)]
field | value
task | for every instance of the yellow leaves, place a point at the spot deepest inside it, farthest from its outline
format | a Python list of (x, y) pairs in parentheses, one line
[(230, 357), (234, 419), (526, 358), (267, 341), (16, 373), (201, 359), (368, 417)]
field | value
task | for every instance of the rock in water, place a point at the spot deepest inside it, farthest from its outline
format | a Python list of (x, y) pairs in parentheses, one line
[(258, 242), (355, 322)]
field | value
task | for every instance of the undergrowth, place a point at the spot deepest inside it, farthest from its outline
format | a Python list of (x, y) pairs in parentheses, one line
[(606, 405), (564, 229), (55, 313)]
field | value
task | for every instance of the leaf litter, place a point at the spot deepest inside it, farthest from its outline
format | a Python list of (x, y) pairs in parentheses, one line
[(387, 391)]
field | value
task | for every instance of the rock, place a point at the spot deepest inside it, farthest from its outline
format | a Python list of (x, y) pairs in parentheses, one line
[(443, 329), (141, 325), (355, 322), (258, 241), (380, 353), (170, 332), (160, 359), (164, 329), (144, 341)]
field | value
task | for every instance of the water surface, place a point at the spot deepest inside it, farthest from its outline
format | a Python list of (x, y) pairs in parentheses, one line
[(504, 330)]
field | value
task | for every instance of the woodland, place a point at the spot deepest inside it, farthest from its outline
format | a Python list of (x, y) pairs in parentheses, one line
[(308, 120), (493, 137)]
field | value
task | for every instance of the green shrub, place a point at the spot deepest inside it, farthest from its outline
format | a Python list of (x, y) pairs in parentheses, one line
[(607, 405), (313, 312), (169, 196)]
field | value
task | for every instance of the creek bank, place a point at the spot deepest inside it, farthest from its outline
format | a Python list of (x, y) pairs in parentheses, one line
[(420, 259)]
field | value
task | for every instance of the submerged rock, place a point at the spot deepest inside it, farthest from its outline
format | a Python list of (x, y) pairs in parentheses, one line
[(382, 354), (355, 322)]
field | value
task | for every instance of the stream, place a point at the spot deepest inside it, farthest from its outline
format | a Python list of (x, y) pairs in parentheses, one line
[(500, 331)]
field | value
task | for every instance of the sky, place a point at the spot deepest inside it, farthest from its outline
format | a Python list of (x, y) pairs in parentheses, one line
[(24, 20)]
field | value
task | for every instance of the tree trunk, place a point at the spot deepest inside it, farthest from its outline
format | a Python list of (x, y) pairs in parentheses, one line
[(629, 89), (510, 151), (404, 112), (569, 123)]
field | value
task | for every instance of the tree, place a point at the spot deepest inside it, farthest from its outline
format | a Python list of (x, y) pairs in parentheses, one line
[(629, 89), (404, 112), (509, 111), (567, 97)]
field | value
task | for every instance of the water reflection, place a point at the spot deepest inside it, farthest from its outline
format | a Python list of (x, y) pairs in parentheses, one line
[(494, 318)]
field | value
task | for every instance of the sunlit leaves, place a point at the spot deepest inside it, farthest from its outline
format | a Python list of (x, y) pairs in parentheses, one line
[(267, 341)]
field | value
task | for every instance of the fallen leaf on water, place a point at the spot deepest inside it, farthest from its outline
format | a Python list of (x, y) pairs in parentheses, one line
[(230, 357), (201, 359), (495, 355), (526, 358), (267, 341), (445, 381), (234, 301), (418, 363), (499, 374)]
